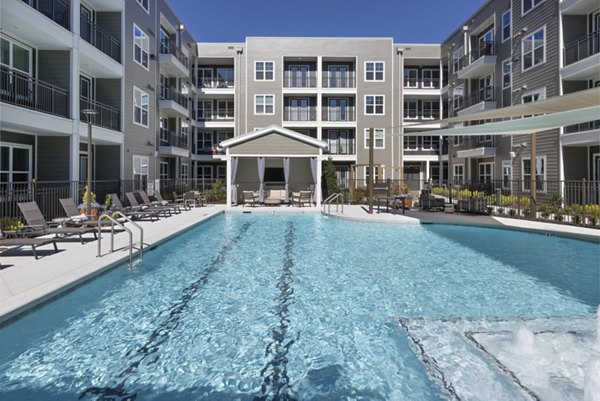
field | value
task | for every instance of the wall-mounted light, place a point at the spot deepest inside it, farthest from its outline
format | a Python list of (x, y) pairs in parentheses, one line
[(465, 28), (239, 50), (180, 27)]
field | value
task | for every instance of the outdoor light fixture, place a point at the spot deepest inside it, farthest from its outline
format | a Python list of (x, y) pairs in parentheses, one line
[(89, 113), (181, 27)]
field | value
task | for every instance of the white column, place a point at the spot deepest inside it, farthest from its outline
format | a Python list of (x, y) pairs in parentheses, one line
[(318, 184), (228, 179), (426, 170)]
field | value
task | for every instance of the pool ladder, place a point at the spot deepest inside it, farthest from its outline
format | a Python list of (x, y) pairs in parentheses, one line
[(113, 221), (338, 198)]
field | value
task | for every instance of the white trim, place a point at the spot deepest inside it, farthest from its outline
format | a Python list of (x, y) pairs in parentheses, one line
[(141, 5), (462, 175), (509, 61), (376, 166), (533, 6), (10, 172), (510, 24), (142, 93), (264, 96), (374, 62), (595, 159), (533, 65), (147, 40), (505, 164), (491, 175), (531, 170), (375, 130), (375, 106), (264, 70), (538, 91), (270, 129)]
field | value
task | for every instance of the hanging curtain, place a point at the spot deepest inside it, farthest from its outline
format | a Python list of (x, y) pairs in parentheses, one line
[(234, 167), (286, 172), (313, 170), (261, 178)]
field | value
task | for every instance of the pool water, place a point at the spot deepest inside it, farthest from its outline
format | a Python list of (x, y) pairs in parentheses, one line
[(286, 307)]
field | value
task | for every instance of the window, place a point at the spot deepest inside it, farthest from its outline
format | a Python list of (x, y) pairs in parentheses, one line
[(140, 107), (486, 88), (264, 104), (457, 58), (533, 96), (15, 163), (533, 49), (140, 172), (457, 140), (431, 78), (506, 73), (431, 109), (458, 96), (298, 76), (141, 46), (342, 174), (204, 174), (185, 171), (263, 71), (165, 134), (337, 142), (223, 136), (411, 78), (506, 26), (338, 109), (204, 142), (165, 41), (486, 43), (145, 5), (205, 110), (540, 175), (374, 71), (506, 174), (459, 173), (379, 135), (411, 142), (298, 109), (15, 56), (427, 142), (225, 109), (164, 171), (486, 171), (374, 104), (205, 78), (222, 173), (528, 5), (185, 134), (338, 76), (225, 77), (379, 173), (410, 109)]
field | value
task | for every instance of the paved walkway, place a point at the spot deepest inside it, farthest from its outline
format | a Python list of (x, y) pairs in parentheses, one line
[(25, 282)]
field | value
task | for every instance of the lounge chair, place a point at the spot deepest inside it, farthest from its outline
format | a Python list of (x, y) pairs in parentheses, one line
[(135, 214), (159, 210), (29, 241), (250, 198), (429, 201), (148, 202), (301, 198), (164, 202), (37, 224)]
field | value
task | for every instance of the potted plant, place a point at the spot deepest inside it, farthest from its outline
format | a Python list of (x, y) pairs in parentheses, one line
[(407, 196), (95, 206)]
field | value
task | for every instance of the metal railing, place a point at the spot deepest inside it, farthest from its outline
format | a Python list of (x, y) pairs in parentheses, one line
[(485, 94), (107, 117), (227, 114), (168, 47), (486, 50), (412, 114), (32, 93), (297, 80), (58, 11), (172, 93), (338, 198), (338, 147), (342, 81), (170, 138), (300, 113), (421, 83), (100, 39), (582, 48), (587, 126), (216, 83), (338, 113)]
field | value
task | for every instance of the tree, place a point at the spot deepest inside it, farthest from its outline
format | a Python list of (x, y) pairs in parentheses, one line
[(329, 183)]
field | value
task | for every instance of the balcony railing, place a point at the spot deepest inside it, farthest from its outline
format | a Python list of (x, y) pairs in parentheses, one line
[(168, 47), (216, 83), (481, 95), (422, 83), (582, 48), (57, 10), (411, 114), (300, 114), (170, 138), (587, 126), (339, 80), (31, 93), (107, 117), (297, 80), (339, 114), (219, 114), (171, 93), (340, 147), (100, 39)]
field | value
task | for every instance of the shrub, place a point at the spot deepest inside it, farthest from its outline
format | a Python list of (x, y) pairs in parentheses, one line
[(329, 183), (217, 192), (512, 212), (10, 223)]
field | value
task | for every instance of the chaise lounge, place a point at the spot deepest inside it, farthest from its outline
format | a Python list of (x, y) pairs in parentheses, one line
[(30, 241)]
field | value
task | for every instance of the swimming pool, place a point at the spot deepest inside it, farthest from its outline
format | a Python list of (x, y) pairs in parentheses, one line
[(300, 307)]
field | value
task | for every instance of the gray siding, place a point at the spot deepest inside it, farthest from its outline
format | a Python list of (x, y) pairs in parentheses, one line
[(108, 162), (577, 159), (54, 67), (111, 23), (53, 158), (108, 91), (274, 144)]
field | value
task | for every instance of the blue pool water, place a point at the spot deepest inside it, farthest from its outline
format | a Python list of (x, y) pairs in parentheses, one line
[(283, 307)]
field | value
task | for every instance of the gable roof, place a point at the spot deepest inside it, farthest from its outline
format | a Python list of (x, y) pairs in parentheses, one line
[(270, 130)]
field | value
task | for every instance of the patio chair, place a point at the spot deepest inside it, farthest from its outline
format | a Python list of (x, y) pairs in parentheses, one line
[(147, 202), (165, 212), (135, 214), (250, 198), (28, 241), (37, 224), (301, 198), (164, 202)]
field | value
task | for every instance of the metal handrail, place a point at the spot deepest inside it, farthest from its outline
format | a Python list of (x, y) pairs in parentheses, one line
[(113, 221), (334, 197)]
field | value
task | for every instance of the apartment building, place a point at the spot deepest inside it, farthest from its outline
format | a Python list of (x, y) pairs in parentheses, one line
[(330, 89), (128, 61), (512, 52)]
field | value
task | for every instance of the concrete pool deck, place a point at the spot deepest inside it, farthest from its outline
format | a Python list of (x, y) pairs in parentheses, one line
[(26, 282)]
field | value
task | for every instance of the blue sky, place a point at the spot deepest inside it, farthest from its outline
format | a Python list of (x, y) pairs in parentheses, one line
[(407, 21)]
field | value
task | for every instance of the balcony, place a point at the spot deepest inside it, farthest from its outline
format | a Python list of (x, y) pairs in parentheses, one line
[(58, 11), (422, 83), (300, 114), (299, 80), (107, 117), (477, 147), (582, 134), (339, 114), (100, 39), (427, 114), (339, 145), (478, 63), (212, 83), (173, 102), (582, 58), (482, 99), (31, 93), (173, 144), (339, 81), (217, 115), (173, 62)]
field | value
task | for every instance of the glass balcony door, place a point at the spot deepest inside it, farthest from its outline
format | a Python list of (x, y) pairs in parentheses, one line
[(299, 76), (299, 109), (338, 109), (338, 76)]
